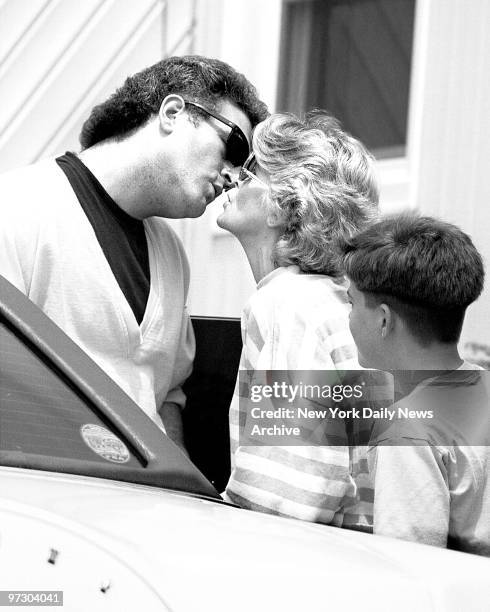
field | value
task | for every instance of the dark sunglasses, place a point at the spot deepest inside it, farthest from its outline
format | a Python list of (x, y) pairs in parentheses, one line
[(237, 148)]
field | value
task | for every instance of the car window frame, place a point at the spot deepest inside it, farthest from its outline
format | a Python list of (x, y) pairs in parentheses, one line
[(164, 465)]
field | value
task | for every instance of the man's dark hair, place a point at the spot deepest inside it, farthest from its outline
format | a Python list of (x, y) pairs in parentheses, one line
[(198, 79), (427, 270)]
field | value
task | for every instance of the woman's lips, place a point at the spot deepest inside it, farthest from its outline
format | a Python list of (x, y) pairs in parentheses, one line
[(224, 199)]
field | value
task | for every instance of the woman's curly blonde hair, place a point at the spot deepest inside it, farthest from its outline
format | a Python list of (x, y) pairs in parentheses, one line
[(322, 186)]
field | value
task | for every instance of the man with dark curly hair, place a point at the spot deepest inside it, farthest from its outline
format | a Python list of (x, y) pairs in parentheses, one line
[(83, 235)]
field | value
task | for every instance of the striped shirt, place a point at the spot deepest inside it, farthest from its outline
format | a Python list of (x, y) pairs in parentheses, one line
[(294, 321)]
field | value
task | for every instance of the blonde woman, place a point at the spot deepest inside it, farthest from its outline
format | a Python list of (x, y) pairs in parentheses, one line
[(306, 184)]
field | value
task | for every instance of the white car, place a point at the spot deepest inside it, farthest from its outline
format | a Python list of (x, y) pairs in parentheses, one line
[(99, 511)]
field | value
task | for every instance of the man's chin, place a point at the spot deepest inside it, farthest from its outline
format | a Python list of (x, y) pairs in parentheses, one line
[(199, 209)]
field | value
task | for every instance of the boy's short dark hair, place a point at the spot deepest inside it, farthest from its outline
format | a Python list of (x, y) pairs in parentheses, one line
[(427, 270), (198, 79)]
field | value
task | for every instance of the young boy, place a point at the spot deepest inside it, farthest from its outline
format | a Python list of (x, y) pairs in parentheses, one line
[(411, 280)]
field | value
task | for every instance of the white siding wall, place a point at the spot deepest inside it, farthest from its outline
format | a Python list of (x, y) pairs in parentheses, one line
[(449, 145), (60, 57)]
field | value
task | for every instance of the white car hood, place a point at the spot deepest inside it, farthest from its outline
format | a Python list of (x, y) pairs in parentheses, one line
[(184, 553)]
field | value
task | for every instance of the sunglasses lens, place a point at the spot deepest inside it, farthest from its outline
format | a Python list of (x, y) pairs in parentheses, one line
[(237, 147), (248, 168), (250, 163)]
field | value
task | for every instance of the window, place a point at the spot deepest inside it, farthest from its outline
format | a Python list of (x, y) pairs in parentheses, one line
[(352, 58)]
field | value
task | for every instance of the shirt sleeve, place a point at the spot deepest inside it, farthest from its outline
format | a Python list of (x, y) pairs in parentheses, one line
[(411, 495), (336, 341)]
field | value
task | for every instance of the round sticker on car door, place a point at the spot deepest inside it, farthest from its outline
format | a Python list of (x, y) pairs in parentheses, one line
[(104, 443)]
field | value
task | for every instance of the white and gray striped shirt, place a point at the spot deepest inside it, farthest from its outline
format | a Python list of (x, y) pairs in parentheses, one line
[(294, 321)]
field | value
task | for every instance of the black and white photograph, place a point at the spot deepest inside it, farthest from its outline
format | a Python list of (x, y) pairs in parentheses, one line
[(244, 305)]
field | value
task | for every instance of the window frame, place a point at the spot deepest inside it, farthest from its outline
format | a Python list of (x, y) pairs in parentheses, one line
[(300, 84)]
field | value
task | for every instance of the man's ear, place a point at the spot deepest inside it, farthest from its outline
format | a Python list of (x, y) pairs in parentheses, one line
[(172, 106), (386, 320)]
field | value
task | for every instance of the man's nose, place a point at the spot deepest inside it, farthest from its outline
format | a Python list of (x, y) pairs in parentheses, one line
[(230, 176)]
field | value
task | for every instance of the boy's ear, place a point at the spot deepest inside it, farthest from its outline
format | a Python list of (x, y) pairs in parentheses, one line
[(385, 320), (171, 107)]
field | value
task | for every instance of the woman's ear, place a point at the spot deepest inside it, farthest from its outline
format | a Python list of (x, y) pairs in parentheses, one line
[(275, 219), (171, 107)]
